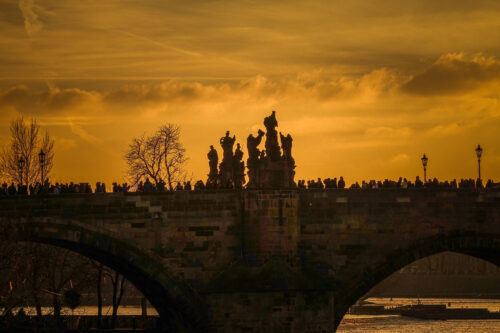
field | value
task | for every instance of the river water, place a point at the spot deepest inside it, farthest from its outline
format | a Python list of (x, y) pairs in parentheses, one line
[(401, 324), (92, 311), (352, 323)]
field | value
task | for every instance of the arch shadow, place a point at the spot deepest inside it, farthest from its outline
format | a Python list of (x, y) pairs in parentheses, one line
[(480, 245), (180, 308)]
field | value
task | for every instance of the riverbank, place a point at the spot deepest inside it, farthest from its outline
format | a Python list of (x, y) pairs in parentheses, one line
[(78, 323)]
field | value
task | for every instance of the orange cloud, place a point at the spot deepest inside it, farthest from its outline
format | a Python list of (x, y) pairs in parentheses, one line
[(32, 23), (315, 86), (53, 101), (453, 73)]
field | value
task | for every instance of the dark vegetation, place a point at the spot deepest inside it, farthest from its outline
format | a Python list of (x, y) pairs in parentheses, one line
[(51, 283)]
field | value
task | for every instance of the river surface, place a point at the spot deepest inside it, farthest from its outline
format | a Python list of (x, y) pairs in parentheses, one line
[(92, 311), (401, 324), (352, 323)]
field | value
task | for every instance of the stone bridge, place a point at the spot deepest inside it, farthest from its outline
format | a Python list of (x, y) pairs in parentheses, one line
[(259, 260)]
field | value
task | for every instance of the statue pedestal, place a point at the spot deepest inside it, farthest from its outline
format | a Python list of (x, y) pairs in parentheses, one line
[(273, 174), (212, 178)]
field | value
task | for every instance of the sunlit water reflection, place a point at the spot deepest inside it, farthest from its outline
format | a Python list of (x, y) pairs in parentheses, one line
[(396, 324), (92, 311)]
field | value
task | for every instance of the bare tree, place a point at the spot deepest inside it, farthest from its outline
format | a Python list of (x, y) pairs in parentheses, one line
[(48, 271), (26, 143), (173, 153), (144, 158), (160, 156), (99, 269), (118, 281), (32, 273), (12, 291), (35, 273), (20, 273)]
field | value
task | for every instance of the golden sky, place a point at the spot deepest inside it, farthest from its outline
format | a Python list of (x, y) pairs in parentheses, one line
[(364, 87)]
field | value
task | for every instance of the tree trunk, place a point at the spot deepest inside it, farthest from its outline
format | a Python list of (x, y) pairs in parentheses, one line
[(115, 305), (169, 179), (36, 288), (38, 307), (117, 296), (99, 295), (57, 305)]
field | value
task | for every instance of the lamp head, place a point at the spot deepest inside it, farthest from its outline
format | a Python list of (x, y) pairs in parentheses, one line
[(424, 160), (479, 151)]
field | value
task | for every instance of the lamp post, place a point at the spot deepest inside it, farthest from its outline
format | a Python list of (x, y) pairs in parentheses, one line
[(41, 159), (424, 163), (479, 152), (20, 165)]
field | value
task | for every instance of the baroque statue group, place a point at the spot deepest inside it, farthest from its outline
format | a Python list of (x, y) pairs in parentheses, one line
[(272, 167)]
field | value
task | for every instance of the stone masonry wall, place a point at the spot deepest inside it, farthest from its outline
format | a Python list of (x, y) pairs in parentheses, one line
[(271, 225), (273, 261), (340, 227), (196, 233)]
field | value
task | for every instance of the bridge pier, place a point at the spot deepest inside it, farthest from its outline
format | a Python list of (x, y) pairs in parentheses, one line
[(267, 291), (270, 226), (279, 311)]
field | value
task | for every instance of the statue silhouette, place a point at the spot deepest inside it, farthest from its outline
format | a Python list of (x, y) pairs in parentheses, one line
[(213, 161), (238, 167), (252, 144), (272, 147), (286, 145), (226, 166)]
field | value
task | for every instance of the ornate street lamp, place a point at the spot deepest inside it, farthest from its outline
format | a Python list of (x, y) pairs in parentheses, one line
[(479, 152), (424, 163), (20, 165), (41, 159)]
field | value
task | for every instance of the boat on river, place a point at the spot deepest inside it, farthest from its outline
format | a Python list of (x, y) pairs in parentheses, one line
[(424, 311), (441, 312)]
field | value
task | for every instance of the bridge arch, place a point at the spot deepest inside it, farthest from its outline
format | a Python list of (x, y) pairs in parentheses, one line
[(180, 308), (480, 245)]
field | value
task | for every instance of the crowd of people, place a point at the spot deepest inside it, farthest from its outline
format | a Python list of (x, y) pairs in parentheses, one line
[(400, 183), (46, 188), (100, 187), (160, 186)]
